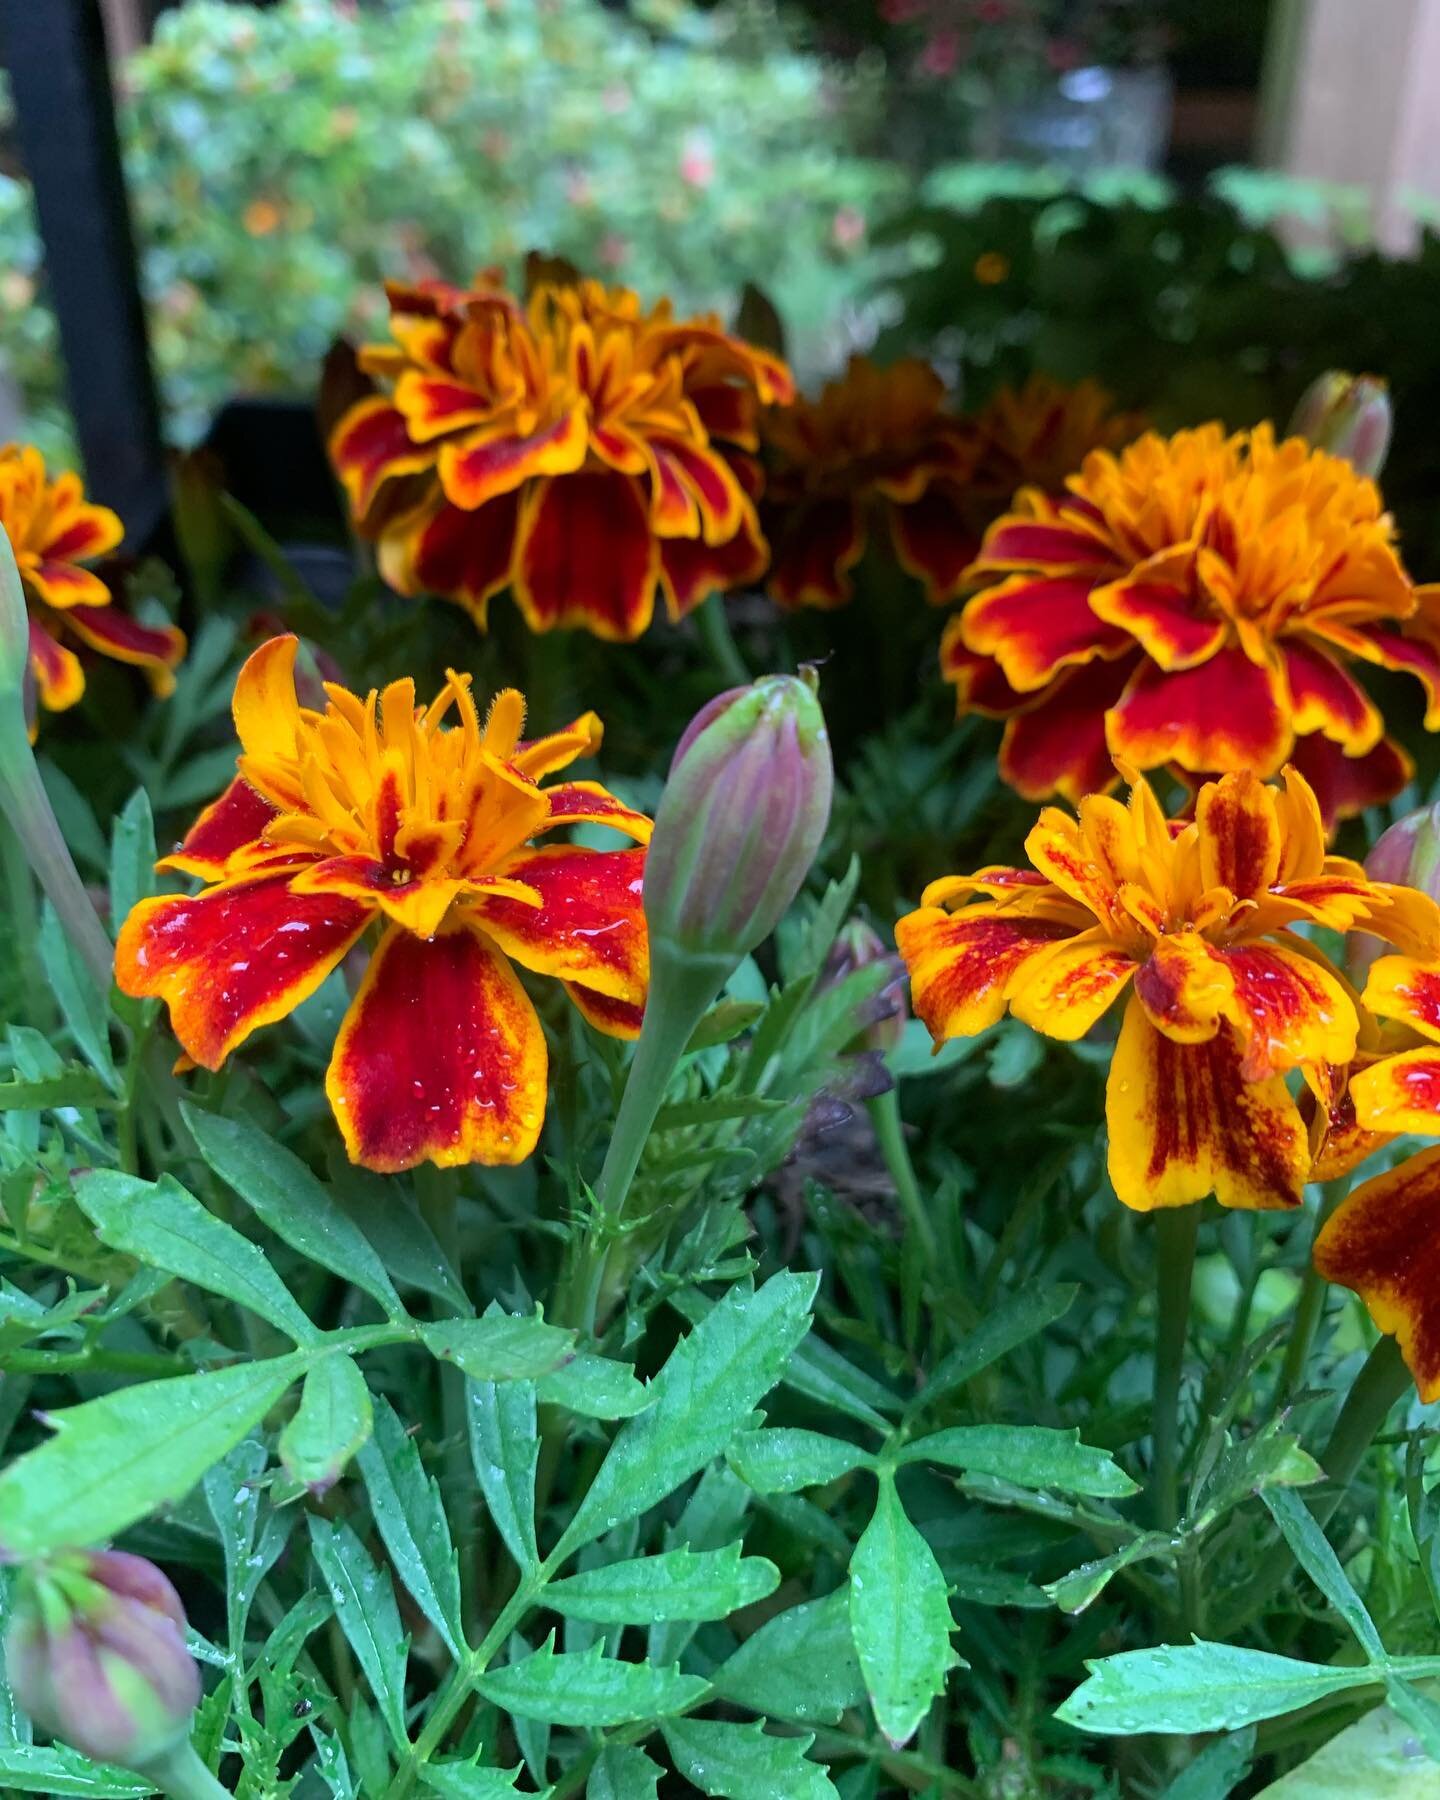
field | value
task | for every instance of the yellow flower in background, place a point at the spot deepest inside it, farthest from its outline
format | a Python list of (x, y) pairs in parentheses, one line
[(1196, 922)]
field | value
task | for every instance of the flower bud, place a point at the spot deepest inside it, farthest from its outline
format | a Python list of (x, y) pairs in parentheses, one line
[(1348, 415), (741, 818), (96, 1655), (880, 1020), (1407, 855)]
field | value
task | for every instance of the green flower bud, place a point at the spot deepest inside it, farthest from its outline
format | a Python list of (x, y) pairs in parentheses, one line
[(880, 1020), (741, 819), (1348, 415), (96, 1655)]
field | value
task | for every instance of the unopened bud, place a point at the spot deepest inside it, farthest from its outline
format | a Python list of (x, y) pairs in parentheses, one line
[(96, 1656), (1407, 855), (1348, 415), (880, 1018), (741, 818)]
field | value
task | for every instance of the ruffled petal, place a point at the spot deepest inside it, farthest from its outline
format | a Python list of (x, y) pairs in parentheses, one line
[(1184, 1123), (232, 823), (589, 926), (980, 684), (933, 542), (370, 445), (814, 550), (462, 556), (1384, 1242), (1228, 713), (1324, 698), (234, 958), (59, 679), (484, 465), (1185, 989), (1346, 786), (1016, 542), (1289, 1008), (1035, 625), (1068, 989), (615, 1018), (440, 1058), (1059, 747), (1408, 989), (588, 803), (1400, 1093), (1240, 840), (78, 530), (962, 964), (64, 586), (587, 556), (155, 649), (1174, 627), (691, 570), (1338, 1141)]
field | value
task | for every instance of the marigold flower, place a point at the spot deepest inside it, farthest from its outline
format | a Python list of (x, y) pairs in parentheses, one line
[(575, 448), (53, 531), (376, 810), (1197, 919), (1192, 602), (877, 444), (1038, 434)]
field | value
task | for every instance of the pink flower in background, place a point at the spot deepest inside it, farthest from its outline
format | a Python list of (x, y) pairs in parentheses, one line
[(848, 228), (697, 160), (613, 250), (941, 54)]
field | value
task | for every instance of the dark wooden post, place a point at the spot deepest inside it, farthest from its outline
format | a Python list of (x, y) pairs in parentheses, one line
[(55, 53)]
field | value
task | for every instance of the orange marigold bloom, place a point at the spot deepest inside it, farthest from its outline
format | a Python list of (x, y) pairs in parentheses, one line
[(878, 443), (1037, 435), (574, 448), (53, 530), (1192, 602), (378, 810), (1196, 919)]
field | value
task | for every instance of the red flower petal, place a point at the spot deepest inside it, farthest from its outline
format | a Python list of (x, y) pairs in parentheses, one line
[(369, 445), (235, 957), (462, 556), (155, 649), (587, 556), (932, 541), (1164, 620), (1019, 543), (980, 684), (709, 479), (64, 586), (616, 1018), (482, 466), (1346, 785), (58, 675), (228, 824), (82, 532), (1240, 837), (1228, 713), (590, 927), (1323, 697), (691, 570), (1034, 625), (814, 548), (1059, 746), (588, 803), (440, 1058), (961, 964), (435, 404)]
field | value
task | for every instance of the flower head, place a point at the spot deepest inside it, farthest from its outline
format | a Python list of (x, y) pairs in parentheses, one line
[(54, 532), (573, 447), (1038, 434), (1197, 921), (1194, 602), (418, 819), (878, 445)]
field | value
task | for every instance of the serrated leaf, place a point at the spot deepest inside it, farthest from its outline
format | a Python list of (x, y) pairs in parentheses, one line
[(331, 1423), (743, 1762), (819, 1372), (1030, 1456), (799, 1665), (504, 1446), (365, 1606), (709, 1386), (410, 1518), (1199, 1687), (1072, 1593), (1010, 1324), (77, 1087), (1319, 1561), (284, 1195), (596, 1387), (499, 1347), (164, 1226), (591, 1689), (114, 1459), (784, 1459), (27, 1769), (466, 1781), (676, 1584), (82, 1006), (900, 1615), (715, 1109), (132, 856), (621, 1773)]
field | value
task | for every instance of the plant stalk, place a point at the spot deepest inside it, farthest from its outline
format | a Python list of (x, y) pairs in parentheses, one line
[(720, 643), (884, 1112), (1176, 1231), (181, 1774), (1310, 1303)]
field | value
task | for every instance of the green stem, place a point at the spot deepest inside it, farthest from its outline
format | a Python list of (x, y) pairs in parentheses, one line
[(24, 920), (719, 641), (181, 1774), (1310, 1303), (1176, 1231), (884, 1112)]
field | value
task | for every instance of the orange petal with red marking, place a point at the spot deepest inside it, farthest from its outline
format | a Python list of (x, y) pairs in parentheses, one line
[(1071, 987), (369, 446), (962, 965), (155, 649), (486, 464), (589, 927), (1400, 1093), (1324, 698), (1036, 625), (64, 586), (1346, 786), (1240, 842), (615, 1018), (587, 556), (1405, 988), (1289, 1008), (440, 1058), (588, 803), (1228, 713), (59, 679), (1185, 989), (231, 823)]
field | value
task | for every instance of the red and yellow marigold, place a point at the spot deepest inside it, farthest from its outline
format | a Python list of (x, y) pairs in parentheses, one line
[(1195, 921), (573, 447), (1196, 602), (418, 820), (54, 532), (1038, 435)]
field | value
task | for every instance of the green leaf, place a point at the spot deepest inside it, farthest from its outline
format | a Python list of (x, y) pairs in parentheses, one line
[(1373, 1759), (1419, 1711), (1314, 1554), (709, 1386), (76, 1087), (27, 1769), (411, 1520), (114, 1459), (391, 1224), (592, 1689), (623, 1774), (163, 1225), (1031, 1456), (23, 1319), (594, 1386), (504, 1445), (1217, 1771), (1012, 1323), (1199, 1687), (365, 1606), (331, 1423), (284, 1195), (819, 1372), (799, 1665), (723, 1023), (715, 1109), (784, 1459), (1072, 1593), (900, 1615), (677, 1584), (82, 1006), (132, 856), (744, 1763), (499, 1347), (466, 1781)]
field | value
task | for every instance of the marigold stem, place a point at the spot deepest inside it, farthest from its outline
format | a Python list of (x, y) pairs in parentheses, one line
[(1176, 1231), (719, 641), (181, 1774), (884, 1112), (1310, 1303)]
